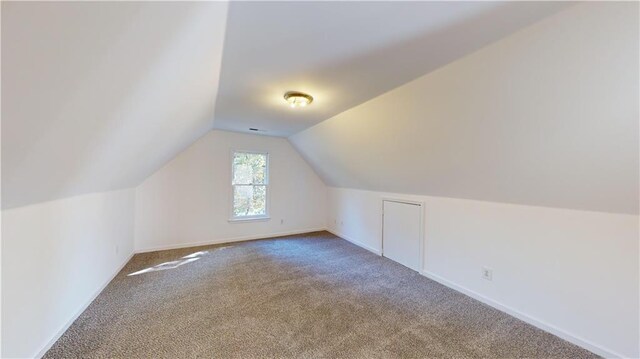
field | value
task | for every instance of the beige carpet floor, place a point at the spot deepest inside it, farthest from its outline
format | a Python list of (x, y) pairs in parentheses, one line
[(307, 296)]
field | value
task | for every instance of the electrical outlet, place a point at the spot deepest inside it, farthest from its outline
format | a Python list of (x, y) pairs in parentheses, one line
[(487, 273), (282, 221)]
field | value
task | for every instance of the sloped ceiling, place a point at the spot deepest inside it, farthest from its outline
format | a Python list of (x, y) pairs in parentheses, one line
[(344, 53), (98, 95), (547, 116)]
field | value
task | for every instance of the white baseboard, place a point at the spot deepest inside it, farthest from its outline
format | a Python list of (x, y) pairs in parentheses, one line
[(228, 240), (357, 243), (75, 316), (499, 306), (526, 318)]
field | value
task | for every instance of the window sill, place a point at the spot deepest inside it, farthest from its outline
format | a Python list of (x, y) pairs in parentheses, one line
[(250, 219)]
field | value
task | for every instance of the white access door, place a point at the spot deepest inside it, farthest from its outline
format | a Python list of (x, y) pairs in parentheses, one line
[(402, 232)]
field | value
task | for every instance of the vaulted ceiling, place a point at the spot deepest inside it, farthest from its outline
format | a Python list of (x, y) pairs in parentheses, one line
[(97, 96), (344, 53), (547, 116)]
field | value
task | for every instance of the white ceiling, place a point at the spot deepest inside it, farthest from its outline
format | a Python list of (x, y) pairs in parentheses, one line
[(98, 95), (547, 116), (344, 53)]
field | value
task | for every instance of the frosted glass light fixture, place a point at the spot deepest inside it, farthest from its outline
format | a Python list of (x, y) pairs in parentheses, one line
[(297, 99)]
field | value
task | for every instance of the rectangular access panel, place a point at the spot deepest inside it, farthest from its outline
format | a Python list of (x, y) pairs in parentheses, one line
[(402, 233)]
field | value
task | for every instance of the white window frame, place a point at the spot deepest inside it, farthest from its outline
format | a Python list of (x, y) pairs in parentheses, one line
[(261, 217)]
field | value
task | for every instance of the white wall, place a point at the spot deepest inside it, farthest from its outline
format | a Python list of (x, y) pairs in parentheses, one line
[(574, 273), (56, 256), (547, 116), (188, 201)]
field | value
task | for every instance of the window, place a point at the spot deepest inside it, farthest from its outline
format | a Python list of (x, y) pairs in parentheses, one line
[(250, 182)]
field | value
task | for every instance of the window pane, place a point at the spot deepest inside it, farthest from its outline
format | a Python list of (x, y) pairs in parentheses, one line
[(249, 168), (249, 200)]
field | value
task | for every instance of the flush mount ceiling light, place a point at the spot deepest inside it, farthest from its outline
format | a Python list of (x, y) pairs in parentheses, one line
[(297, 99)]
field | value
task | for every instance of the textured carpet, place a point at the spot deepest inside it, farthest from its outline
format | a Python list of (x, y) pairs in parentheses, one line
[(305, 296)]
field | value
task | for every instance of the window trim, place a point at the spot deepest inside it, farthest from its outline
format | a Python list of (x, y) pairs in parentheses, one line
[(254, 218)]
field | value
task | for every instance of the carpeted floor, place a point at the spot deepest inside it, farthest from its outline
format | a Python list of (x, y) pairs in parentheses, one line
[(302, 296)]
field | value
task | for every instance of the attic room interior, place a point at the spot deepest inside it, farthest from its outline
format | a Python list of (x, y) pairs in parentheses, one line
[(320, 179)]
